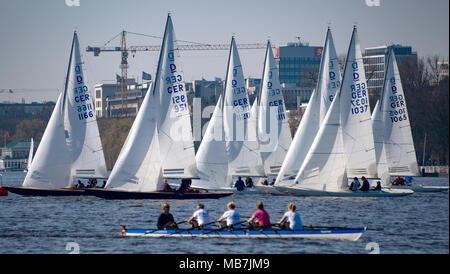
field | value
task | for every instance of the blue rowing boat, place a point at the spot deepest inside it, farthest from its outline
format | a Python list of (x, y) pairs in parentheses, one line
[(350, 234)]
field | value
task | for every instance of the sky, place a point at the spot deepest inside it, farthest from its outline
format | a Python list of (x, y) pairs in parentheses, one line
[(35, 35)]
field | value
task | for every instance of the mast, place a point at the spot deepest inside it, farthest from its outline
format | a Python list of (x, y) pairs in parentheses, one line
[(68, 70)]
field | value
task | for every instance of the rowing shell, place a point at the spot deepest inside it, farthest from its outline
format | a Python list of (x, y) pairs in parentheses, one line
[(351, 234)]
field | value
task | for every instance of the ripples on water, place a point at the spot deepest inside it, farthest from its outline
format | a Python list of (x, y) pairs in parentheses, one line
[(413, 224)]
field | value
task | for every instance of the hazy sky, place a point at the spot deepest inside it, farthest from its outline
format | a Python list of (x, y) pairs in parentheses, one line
[(35, 36)]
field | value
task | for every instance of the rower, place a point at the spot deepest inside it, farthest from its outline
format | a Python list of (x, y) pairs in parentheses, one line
[(166, 220), (231, 217), (239, 185), (355, 184), (200, 218), (293, 221), (263, 219), (365, 185)]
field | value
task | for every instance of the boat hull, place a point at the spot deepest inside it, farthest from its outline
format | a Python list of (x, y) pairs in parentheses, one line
[(269, 190), (154, 195), (252, 190), (29, 191), (312, 234), (423, 188), (371, 193)]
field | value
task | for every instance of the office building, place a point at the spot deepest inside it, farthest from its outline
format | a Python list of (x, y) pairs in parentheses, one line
[(375, 58), (298, 66)]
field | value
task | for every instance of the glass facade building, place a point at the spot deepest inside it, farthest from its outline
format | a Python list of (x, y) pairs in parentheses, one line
[(298, 66), (375, 59)]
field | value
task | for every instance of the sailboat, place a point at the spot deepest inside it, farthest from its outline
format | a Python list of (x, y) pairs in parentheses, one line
[(328, 84), (30, 155), (396, 155), (160, 143), (271, 105), (239, 145), (344, 145), (70, 148), (230, 147)]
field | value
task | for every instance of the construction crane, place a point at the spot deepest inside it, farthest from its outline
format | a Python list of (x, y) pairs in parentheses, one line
[(125, 50)]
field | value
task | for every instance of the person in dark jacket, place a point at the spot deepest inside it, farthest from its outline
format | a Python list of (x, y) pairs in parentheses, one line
[(239, 185), (378, 187), (248, 182), (365, 184), (166, 220)]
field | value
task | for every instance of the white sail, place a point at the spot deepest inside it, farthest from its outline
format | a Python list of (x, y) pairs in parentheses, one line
[(329, 75), (398, 141), (243, 153), (328, 84), (355, 115), (82, 135), (380, 148), (324, 167), (50, 168), (174, 124), (211, 157), (136, 168), (30, 154), (274, 139)]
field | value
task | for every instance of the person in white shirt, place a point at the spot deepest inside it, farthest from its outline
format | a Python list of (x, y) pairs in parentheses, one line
[(231, 217), (291, 219), (200, 218)]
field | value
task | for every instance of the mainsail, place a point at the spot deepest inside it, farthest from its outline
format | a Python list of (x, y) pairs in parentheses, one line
[(355, 115), (244, 158), (398, 141), (274, 137), (319, 103), (174, 122), (50, 168), (211, 157), (82, 135)]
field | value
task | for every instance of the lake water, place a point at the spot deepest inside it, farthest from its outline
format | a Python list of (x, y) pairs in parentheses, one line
[(417, 223)]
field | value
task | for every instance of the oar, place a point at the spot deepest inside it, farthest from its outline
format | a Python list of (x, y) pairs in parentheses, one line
[(222, 228), (333, 227), (153, 230)]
